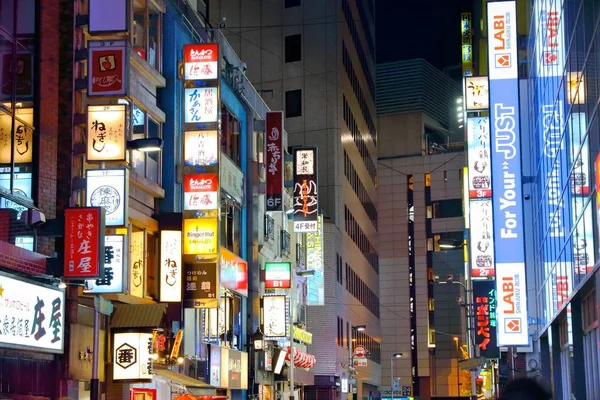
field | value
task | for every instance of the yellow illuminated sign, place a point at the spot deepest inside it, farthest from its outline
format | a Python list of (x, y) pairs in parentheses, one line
[(200, 236), (466, 32), (302, 335)]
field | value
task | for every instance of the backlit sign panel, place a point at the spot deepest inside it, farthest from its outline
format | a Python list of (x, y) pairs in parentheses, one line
[(132, 356), (278, 275), (482, 238), (315, 261), (106, 131), (200, 236), (108, 68), (480, 166), (274, 161), (201, 285), (23, 134), (275, 313), (477, 92), (33, 316), (84, 243), (485, 304), (170, 266), (107, 188), (506, 174), (200, 192), (137, 264), (201, 61), (233, 272), (306, 200), (201, 105), (201, 148), (114, 264)]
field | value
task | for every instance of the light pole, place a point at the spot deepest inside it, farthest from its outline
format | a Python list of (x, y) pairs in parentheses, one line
[(293, 304), (394, 355), (359, 328)]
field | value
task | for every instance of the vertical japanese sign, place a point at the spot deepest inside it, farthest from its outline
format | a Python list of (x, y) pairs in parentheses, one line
[(201, 61), (480, 166), (84, 243), (22, 133), (108, 68), (170, 266), (137, 263), (482, 238), (274, 160), (31, 316), (107, 188), (201, 105), (315, 262), (114, 264), (201, 148), (106, 132), (477, 90), (485, 305), (275, 316), (466, 32), (306, 201), (201, 285), (506, 174), (131, 357)]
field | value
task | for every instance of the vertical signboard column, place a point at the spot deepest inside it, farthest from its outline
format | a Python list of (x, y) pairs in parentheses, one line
[(201, 180), (274, 151), (506, 174)]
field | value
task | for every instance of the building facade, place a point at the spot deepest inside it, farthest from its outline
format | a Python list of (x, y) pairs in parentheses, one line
[(561, 141), (421, 162), (314, 60)]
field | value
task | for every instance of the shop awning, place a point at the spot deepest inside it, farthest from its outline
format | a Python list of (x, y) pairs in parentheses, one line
[(194, 386), (138, 316)]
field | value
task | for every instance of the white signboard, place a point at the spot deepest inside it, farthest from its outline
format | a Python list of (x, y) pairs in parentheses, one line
[(512, 305), (480, 165), (23, 142), (549, 23), (482, 238), (106, 126), (232, 179), (31, 316), (477, 90), (114, 263), (131, 356), (201, 105), (106, 188), (201, 148), (502, 40), (170, 266), (275, 317), (136, 264)]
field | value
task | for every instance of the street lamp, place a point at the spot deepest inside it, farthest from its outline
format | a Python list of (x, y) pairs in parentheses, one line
[(392, 356), (304, 273), (150, 144)]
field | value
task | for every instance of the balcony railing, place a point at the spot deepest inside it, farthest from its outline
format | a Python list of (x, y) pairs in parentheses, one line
[(300, 254), (286, 244), (269, 228)]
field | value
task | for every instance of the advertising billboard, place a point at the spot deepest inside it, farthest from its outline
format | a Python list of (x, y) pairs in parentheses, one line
[(477, 90), (485, 305), (482, 238), (84, 243), (274, 161), (306, 200), (480, 165), (201, 61), (506, 174)]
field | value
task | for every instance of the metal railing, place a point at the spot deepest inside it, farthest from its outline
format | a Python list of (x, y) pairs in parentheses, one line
[(269, 227), (286, 244)]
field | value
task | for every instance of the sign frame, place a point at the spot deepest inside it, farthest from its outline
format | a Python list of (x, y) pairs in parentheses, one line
[(121, 154), (75, 222), (306, 189), (121, 191), (116, 57), (274, 160)]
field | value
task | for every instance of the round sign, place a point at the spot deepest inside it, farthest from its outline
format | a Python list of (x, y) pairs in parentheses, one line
[(360, 352)]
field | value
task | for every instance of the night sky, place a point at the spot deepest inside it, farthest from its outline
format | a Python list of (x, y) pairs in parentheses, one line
[(428, 29)]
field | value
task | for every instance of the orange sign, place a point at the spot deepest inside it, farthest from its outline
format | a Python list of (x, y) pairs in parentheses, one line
[(200, 236), (177, 344)]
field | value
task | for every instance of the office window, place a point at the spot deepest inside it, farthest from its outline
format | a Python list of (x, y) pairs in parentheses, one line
[(448, 208), (230, 236), (292, 3), (293, 103), (293, 48), (146, 37), (230, 135)]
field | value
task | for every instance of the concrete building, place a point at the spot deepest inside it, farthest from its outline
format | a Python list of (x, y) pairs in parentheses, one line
[(314, 59), (421, 162)]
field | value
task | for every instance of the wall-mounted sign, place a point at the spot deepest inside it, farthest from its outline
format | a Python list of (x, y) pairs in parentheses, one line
[(275, 314), (137, 263), (576, 88), (138, 117), (274, 160), (200, 192), (201, 61), (580, 178), (84, 243), (484, 302), (108, 68), (201, 285), (108, 16), (131, 357), (106, 128), (200, 236), (32, 316), (201, 105), (114, 265), (302, 335), (477, 90), (466, 32), (278, 275), (234, 272), (478, 148), (314, 261), (107, 188), (306, 201), (232, 179), (482, 238), (201, 148), (23, 136), (170, 266)]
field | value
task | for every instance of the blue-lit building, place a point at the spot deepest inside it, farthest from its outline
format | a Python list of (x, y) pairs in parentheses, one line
[(561, 138)]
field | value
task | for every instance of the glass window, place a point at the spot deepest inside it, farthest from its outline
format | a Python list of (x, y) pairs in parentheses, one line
[(146, 164), (152, 274), (448, 208), (293, 103), (230, 135), (293, 48), (230, 227), (146, 32), (292, 3)]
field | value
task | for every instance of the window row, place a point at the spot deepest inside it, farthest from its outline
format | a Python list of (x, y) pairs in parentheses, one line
[(360, 97), (359, 141), (293, 103), (359, 189), (447, 208), (339, 272), (372, 346), (366, 18), (359, 289), (293, 48), (359, 49), (360, 239)]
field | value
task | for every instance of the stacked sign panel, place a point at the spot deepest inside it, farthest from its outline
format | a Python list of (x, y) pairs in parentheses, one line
[(506, 174), (306, 200), (201, 180), (274, 161)]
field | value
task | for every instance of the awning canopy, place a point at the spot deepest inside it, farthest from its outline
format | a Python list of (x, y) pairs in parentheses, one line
[(194, 386), (138, 316)]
